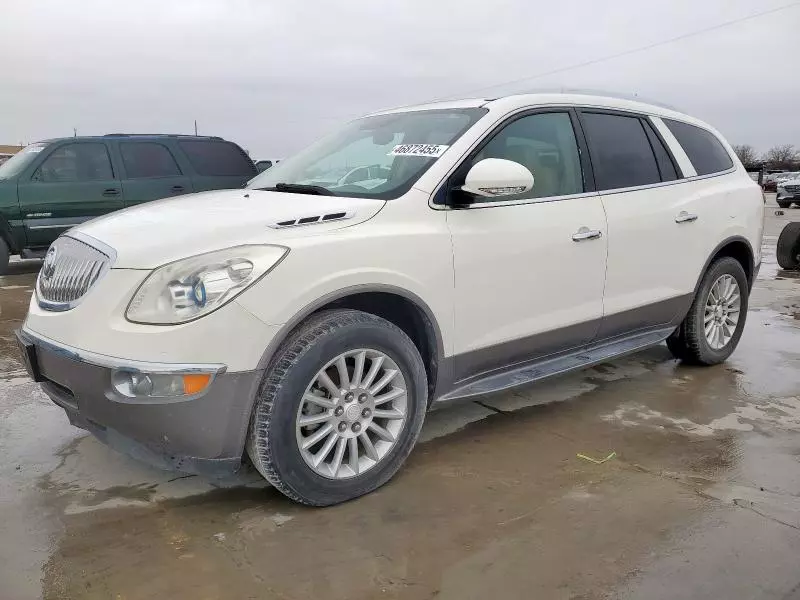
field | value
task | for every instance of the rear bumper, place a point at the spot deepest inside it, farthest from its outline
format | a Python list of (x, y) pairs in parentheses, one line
[(204, 434)]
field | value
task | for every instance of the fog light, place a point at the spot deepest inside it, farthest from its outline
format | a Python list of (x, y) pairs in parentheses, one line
[(159, 385)]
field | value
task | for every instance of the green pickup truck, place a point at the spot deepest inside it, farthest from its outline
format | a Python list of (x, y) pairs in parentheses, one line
[(50, 186)]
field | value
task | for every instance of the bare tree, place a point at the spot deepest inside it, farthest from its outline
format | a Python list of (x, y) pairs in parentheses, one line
[(747, 154), (784, 156)]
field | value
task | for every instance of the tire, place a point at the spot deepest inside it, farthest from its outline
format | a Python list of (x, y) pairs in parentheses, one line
[(275, 434), (789, 247), (784, 204), (689, 343), (4, 256)]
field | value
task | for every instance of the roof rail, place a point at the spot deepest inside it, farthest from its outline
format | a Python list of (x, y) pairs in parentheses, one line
[(173, 135)]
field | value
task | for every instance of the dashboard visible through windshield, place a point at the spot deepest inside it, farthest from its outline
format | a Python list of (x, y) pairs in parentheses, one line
[(375, 157)]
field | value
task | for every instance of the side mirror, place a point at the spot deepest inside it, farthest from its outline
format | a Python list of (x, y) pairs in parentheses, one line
[(494, 177)]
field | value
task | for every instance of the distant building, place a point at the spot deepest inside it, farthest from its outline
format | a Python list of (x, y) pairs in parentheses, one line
[(7, 152)]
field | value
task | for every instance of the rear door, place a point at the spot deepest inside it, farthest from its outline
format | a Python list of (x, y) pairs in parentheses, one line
[(74, 183), (217, 164), (655, 247), (150, 172)]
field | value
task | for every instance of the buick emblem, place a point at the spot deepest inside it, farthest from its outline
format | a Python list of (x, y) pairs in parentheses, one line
[(49, 266)]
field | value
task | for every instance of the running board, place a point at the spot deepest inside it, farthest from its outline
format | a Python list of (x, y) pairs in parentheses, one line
[(585, 357)]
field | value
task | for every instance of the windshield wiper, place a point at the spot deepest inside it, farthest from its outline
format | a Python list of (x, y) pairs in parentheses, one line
[(300, 188)]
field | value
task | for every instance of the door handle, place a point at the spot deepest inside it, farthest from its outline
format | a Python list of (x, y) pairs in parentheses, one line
[(685, 217), (111, 192), (584, 233), (178, 189)]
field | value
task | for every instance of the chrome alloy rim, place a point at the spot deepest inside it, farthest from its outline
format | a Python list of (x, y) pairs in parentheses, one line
[(351, 414), (722, 312)]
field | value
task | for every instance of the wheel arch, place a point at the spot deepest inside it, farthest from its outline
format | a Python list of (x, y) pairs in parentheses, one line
[(736, 247), (7, 235), (404, 309)]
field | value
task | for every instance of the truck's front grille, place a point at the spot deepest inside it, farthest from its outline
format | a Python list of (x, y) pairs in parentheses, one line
[(71, 267), (793, 188)]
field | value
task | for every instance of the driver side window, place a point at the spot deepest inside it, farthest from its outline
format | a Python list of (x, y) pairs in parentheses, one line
[(84, 161), (545, 144)]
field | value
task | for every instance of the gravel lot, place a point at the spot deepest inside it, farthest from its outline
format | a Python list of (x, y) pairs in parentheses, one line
[(702, 499)]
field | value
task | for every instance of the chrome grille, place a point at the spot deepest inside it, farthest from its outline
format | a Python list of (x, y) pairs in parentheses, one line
[(792, 188), (71, 267)]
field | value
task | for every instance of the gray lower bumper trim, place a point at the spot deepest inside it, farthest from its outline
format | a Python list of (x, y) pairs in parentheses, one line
[(204, 434)]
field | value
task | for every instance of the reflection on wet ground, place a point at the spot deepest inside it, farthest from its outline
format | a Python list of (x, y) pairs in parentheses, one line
[(701, 500)]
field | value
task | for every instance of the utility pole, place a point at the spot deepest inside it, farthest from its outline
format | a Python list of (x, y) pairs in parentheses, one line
[(195, 126), (74, 132)]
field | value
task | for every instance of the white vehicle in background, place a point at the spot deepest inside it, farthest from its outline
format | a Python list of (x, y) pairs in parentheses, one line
[(311, 327), (788, 189)]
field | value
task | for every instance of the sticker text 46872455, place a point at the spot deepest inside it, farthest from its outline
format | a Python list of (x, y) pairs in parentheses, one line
[(430, 150)]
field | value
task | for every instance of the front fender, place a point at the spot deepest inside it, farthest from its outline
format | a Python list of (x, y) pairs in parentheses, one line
[(413, 263), (11, 228)]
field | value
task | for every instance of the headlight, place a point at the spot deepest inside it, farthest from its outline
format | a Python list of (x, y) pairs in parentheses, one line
[(192, 287), (781, 189)]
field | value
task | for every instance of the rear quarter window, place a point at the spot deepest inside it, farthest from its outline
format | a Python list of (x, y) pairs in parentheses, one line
[(217, 158), (706, 152)]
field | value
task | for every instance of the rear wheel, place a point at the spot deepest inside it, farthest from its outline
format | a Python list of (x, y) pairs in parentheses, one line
[(712, 328), (788, 250), (339, 409), (4, 256)]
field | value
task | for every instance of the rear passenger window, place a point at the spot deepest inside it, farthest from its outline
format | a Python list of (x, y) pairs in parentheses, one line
[(218, 158), (702, 147), (148, 159), (665, 164), (621, 153)]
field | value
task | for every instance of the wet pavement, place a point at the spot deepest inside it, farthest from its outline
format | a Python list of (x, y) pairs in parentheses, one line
[(700, 500)]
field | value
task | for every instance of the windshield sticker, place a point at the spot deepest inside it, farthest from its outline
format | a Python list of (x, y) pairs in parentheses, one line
[(34, 149), (431, 150)]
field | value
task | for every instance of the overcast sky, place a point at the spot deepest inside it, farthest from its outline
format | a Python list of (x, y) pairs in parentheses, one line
[(274, 75)]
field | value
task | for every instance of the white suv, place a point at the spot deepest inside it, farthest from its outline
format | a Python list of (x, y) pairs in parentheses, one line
[(312, 324)]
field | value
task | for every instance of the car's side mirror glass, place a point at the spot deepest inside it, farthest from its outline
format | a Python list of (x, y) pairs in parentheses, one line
[(492, 177)]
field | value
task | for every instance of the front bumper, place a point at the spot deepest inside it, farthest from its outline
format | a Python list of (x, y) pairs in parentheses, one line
[(201, 434)]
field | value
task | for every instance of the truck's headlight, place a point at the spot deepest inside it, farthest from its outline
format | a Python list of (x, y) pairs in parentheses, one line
[(192, 287)]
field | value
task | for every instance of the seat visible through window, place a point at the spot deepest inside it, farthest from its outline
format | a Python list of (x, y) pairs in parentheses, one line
[(544, 144)]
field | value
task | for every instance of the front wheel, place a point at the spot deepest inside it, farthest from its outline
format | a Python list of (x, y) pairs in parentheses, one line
[(712, 328), (340, 408), (784, 204)]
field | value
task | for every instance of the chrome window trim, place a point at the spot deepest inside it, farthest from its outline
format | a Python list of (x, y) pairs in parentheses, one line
[(652, 116), (112, 362)]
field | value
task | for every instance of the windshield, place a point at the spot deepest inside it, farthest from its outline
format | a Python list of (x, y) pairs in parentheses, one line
[(374, 157), (17, 163)]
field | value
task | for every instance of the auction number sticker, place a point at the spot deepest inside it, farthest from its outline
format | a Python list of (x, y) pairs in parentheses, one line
[(432, 150)]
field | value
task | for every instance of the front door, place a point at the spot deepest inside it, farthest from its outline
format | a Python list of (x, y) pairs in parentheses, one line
[(150, 172), (529, 270), (74, 183)]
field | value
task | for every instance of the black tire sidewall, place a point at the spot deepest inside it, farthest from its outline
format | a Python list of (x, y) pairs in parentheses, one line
[(788, 245), (724, 266), (286, 458), (4, 256)]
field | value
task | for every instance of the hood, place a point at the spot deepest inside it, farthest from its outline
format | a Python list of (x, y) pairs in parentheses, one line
[(794, 181), (163, 231)]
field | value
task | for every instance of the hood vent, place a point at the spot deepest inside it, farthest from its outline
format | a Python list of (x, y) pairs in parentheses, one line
[(311, 219)]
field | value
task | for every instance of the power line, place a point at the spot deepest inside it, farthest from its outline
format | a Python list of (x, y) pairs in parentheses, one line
[(630, 51)]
